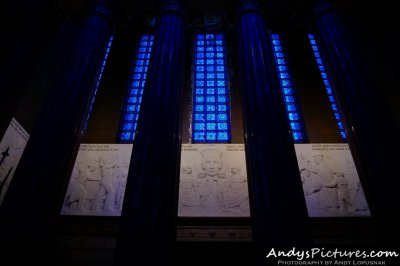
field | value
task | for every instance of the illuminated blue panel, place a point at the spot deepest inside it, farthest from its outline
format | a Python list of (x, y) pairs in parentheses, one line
[(135, 92), (99, 78), (328, 86), (211, 118), (289, 97)]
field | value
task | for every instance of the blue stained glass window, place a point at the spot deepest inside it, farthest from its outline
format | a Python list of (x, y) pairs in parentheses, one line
[(99, 79), (210, 92), (138, 79), (328, 87), (294, 118)]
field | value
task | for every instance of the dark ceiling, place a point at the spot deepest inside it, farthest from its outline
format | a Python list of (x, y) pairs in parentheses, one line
[(276, 8), (278, 12)]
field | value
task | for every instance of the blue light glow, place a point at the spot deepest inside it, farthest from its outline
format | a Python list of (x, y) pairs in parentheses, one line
[(328, 86), (290, 100), (288, 91), (138, 79), (211, 121), (98, 80)]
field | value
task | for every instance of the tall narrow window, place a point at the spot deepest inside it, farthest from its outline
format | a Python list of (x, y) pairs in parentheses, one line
[(211, 110), (136, 85), (99, 78), (328, 86), (290, 99)]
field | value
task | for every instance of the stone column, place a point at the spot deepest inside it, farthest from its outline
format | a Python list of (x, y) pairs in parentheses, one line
[(373, 132), (27, 28), (148, 226), (31, 203), (278, 206)]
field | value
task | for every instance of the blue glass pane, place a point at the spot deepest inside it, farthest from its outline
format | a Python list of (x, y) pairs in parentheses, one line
[(287, 91), (282, 68), (199, 83), (276, 42), (222, 126), (211, 126), (223, 136), (284, 75), (211, 117), (221, 91), (221, 99), (210, 90), (210, 99), (297, 136), (199, 108), (138, 74), (281, 61), (199, 117), (293, 116), (199, 126), (285, 82), (295, 126), (211, 108), (127, 126), (210, 83), (199, 99), (199, 91), (125, 136), (344, 136), (128, 117), (291, 107), (211, 136), (199, 136), (222, 117), (220, 75), (289, 99), (222, 108)]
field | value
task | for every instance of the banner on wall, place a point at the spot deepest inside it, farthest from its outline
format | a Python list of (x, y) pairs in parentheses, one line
[(11, 148), (330, 181), (98, 180), (213, 181)]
